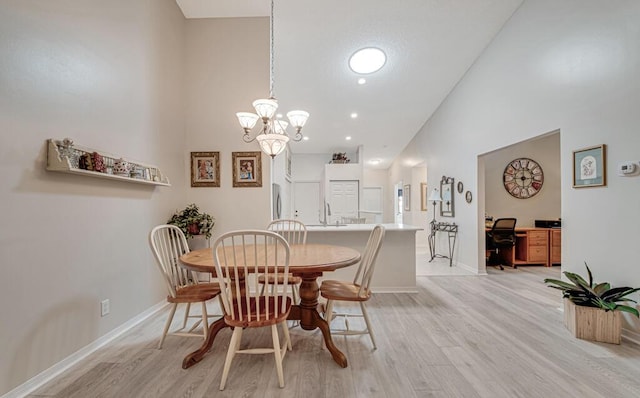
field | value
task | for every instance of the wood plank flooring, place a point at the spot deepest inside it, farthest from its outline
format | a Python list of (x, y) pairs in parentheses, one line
[(491, 336)]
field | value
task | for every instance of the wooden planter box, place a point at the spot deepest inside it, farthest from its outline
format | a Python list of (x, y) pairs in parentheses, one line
[(593, 324)]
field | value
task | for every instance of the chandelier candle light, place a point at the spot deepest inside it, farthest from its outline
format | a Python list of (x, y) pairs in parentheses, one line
[(273, 137)]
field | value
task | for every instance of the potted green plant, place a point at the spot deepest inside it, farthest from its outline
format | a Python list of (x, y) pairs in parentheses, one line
[(592, 310), (192, 222)]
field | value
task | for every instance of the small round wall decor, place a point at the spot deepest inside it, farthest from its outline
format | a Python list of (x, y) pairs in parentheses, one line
[(523, 178), (468, 197), (460, 187)]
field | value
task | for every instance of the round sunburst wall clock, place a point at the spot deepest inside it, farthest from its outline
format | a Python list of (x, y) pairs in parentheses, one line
[(523, 178)]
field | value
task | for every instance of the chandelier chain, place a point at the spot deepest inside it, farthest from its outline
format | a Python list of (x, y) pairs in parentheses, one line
[(271, 50)]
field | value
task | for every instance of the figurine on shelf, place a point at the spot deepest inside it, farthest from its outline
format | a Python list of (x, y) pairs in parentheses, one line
[(122, 168), (136, 172), (66, 150), (98, 163), (85, 162), (65, 147)]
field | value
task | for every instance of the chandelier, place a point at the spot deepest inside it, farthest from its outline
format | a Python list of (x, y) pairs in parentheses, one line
[(272, 137)]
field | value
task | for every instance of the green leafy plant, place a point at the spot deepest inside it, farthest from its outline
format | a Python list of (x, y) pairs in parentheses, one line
[(192, 222), (590, 294)]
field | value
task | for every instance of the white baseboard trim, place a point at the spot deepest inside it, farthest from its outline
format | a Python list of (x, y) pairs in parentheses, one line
[(469, 268), (49, 374)]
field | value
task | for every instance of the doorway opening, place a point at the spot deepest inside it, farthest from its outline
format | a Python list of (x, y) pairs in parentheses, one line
[(499, 198)]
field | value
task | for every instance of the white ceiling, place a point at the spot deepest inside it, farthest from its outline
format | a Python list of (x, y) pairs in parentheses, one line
[(430, 44), (224, 8)]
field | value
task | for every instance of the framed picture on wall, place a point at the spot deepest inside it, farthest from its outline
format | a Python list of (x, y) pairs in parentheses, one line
[(247, 169), (590, 167), (205, 169), (423, 196), (406, 197)]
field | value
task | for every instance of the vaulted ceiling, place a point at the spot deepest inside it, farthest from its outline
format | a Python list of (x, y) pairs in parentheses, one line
[(430, 44)]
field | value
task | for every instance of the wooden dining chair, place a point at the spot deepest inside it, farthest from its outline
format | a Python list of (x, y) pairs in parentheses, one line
[(295, 232), (168, 243), (238, 255), (356, 291)]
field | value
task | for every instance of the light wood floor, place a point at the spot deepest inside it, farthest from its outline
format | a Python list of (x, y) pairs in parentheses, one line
[(460, 336)]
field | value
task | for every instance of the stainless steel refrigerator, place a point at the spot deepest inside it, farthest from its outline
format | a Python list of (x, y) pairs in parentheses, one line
[(276, 202)]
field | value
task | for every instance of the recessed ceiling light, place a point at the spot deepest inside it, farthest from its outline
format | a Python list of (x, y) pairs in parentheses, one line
[(305, 138), (354, 115), (279, 115), (348, 138), (367, 60), (362, 80), (374, 161)]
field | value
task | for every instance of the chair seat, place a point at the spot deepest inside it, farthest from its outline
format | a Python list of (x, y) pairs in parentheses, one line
[(250, 317), (292, 280), (343, 291), (503, 241), (195, 293)]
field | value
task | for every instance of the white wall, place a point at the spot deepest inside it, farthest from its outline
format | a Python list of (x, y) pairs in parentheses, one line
[(379, 178), (108, 74), (227, 68), (348, 171), (308, 167), (570, 65), (545, 205)]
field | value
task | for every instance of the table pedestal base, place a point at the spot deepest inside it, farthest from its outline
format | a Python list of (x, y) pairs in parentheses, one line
[(306, 312)]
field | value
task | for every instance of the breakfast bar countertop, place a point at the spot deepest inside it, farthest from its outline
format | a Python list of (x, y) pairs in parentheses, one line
[(361, 227)]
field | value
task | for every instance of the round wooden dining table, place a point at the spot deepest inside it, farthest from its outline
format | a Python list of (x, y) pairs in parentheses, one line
[(309, 262)]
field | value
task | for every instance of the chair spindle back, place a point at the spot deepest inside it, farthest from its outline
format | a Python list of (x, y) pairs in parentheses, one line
[(168, 243), (294, 231), (241, 255), (368, 261)]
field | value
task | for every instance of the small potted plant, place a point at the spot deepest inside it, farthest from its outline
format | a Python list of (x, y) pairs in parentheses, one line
[(592, 311), (192, 222)]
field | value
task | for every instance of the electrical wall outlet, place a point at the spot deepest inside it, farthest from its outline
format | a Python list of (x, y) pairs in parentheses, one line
[(104, 307)]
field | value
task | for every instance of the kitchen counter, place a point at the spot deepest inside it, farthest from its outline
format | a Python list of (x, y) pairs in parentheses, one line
[(361, 227), (396, 265)]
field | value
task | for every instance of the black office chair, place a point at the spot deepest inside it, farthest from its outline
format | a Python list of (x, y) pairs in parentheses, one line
[(501, 236)]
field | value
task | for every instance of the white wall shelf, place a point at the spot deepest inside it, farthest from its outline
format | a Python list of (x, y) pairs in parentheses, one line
[(67, 163)]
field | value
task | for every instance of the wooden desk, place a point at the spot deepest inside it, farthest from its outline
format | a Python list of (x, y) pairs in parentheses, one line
[(534, 246), (307, 261), (555, 245)]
